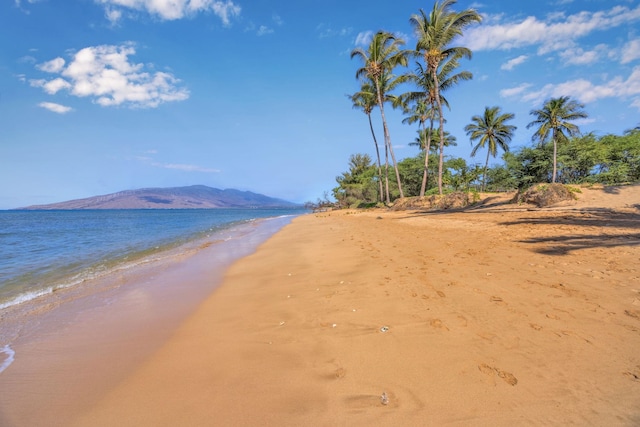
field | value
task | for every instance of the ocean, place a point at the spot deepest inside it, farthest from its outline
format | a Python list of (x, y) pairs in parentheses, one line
[(45, 251)]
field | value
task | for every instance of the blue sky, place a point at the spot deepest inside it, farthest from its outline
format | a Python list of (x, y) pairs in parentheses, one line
[(98, 96)]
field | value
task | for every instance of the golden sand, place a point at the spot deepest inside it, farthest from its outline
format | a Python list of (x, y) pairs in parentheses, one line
[(501, 316)]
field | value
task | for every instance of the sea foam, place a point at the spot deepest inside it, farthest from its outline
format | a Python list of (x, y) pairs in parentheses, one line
[(8, 360)]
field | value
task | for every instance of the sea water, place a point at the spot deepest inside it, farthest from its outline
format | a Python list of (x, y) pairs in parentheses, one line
[(45, 251)]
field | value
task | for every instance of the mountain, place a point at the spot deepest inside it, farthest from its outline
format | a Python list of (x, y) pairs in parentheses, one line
[(192, 197)]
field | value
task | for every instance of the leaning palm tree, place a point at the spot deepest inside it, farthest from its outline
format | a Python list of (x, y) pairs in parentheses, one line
[(379, 60), (555, 117), (365, 99), (435, 33), (491, 130), (426, 94)]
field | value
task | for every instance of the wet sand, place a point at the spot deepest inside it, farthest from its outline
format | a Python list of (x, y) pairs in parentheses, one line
[(503, 315)]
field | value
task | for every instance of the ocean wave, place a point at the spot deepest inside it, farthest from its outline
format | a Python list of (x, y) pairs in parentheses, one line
[(10, 357)]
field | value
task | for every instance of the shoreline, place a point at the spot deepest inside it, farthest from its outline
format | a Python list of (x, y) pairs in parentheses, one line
[(66, 348), (456, 318), (461, 318)]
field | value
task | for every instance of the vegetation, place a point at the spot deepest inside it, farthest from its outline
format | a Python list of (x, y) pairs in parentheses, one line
[(491, 130), (436, 32), (380, 59), (559, 152), (555, 118)]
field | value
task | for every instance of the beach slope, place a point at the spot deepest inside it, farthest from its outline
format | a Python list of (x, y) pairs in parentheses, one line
[(505, 315)]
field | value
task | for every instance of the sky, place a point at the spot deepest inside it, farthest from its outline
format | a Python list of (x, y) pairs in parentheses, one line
[(99, 96)]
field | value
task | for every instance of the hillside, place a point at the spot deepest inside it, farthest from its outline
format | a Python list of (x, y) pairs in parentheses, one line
[(192, 197)]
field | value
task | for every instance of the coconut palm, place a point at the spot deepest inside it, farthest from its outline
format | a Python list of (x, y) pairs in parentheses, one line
[(365, 99), (426, 95), (379, 59), (491, 130), (435, 33), (555, 118)]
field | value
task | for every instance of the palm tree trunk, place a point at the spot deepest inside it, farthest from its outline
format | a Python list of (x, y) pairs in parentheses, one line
[(436, 85), (387, 139), (427, 149), (386, 173), (484, 174), (555, 150), (375, 141)]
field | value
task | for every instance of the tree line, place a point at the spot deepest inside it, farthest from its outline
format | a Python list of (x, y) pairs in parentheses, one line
[(561, 153)]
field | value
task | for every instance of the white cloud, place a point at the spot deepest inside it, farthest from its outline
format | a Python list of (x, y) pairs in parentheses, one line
[(583, 90), (185, 168), (173, 9), (53, 66), (514, 91), (631, 51), (579, 56), (549, 35), (105, 74), (56, 108), (113, 15), (512, 63), (277, 19), (264, 30), (364, 38), (325, 31)]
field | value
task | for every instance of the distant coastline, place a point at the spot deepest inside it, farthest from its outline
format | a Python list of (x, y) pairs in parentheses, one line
[(190, 197)]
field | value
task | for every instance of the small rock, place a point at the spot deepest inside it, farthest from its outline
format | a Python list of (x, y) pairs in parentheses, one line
[(384, 399)]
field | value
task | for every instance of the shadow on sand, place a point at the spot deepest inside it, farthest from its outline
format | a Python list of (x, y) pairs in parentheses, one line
[(563, 244)]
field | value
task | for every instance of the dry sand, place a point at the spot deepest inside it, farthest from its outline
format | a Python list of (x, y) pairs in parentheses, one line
[(502, 315)]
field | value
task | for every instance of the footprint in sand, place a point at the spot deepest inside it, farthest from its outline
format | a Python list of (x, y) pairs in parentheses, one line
[(437, 323), (635, 374), (507, 377)]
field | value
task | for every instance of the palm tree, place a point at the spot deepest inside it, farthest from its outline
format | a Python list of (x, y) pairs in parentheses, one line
[(379, 60), (365, 99), (435, 33), (555, 117), (491, 130), (426, 94)]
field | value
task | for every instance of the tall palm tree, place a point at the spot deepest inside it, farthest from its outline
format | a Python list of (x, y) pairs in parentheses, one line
[(491, 130), (365, 99), (426, 94), (555, 118), (379, 60), (435, 33)]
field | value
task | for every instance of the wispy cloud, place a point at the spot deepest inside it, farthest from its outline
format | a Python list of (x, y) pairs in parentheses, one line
[(512, 63), (364, 38), (56, 108), (326, 31), (105, 74), (185, 167), (549, 35), (263, 30), (172, 9), (583, 90), (631, 51), (515, 91)]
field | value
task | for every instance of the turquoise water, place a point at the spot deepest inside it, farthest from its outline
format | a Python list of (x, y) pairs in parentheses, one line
[(42, 251)]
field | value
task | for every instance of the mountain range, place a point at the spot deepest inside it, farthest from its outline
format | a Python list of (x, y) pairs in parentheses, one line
[(191, 197)]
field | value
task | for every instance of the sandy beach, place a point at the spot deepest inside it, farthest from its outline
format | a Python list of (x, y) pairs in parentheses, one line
[(499, 315)]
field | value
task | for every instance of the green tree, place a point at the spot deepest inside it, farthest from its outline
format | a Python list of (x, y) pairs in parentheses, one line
[(379, 60), (554, 119), (357, 185), (435, 33), (492, 131), (424, 101), (365, 99)]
